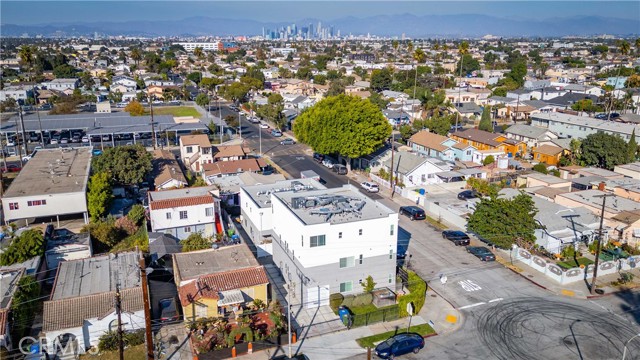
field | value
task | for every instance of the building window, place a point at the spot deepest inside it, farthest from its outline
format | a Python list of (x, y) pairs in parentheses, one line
[(340, 235), (208, 211), (189, 149), (302, 240), (423, 178), (390, 278), (390, 254), (391, 229), (318, 240), (168, 216), (346, 286), (183, 214), (13, 206), (360, 232), (187, 229), (360, 259), (347, 262)]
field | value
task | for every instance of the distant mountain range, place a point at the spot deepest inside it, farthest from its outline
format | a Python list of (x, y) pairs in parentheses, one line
[(382, 25)]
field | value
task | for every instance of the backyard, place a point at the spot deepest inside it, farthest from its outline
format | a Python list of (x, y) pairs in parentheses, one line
[(175, 111)]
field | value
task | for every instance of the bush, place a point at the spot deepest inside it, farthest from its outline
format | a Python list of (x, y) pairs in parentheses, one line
[(541, 168), (127, 225), (109, 341), (231, 338), (335, 300), (362, 300), (348, 300), (136, 214), (417, 295)]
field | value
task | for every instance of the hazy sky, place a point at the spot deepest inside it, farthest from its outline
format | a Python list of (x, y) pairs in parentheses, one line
[(41, 12)]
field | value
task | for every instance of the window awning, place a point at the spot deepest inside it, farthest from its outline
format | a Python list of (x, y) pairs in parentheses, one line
[(230, 297)]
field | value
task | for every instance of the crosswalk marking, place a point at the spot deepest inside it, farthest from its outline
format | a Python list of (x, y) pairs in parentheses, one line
[(469, 285)]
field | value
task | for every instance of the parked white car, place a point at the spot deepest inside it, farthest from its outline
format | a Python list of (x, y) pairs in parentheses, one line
[(328, 163), (370, 187), (264, 126)]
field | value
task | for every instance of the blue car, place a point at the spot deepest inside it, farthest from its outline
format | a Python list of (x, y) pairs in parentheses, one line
[(400, 344), (96, 152)]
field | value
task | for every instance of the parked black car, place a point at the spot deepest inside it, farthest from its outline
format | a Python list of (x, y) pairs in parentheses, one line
[(413, 212), (468, 194), (457, 237), (481, 253), (318, 157), (400, 344)]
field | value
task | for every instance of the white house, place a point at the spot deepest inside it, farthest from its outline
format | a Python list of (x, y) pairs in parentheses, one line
[(81, 307), (62, 84), (416, 170), (330, 240), (19, 93), (124, 81), (182, 212), (167, 173), (195, 150), (52, 183), (529, 134)]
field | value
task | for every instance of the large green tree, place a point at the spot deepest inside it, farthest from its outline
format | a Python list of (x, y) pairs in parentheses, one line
[(485, 120), (30, 243), (24, 305), (99, 195), (381, 79), (469, 64), (345, 125), (502, 221), (125, 164), (632, 147), (195, 242), (604, 151)]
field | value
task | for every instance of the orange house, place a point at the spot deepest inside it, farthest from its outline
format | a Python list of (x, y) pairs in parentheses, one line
[(512, 146), (548, 154), (484, 140)]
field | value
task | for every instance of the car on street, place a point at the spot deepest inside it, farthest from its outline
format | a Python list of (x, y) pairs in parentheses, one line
[(317, 157), (276, 132), (370, 187), (328, 163), (400, 344), (11, 168), (264, 125), (85, 139), (457, 237), (53, 141), (339, 169), (468, 194), (287, 141), (254, 120), (413, 212), (481, 253), (294, 357)]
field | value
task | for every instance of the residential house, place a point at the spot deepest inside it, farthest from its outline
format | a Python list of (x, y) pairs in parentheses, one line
[(195, 151), (167, 172), (231, 167), (82, 300), (434, 145), (571, 126), (548, 154), (631, 170), (19, 93), (182, 212), (468, 109), (594, 171), (162, 246), (479, 139), (592, 200), (230, 153), (396, 118), (479, 156), (64, 245), (566, 101), (616, 81), (330, 240), (627, 228), (534, 179), (627, 188), (219, 282), (584, 89), (531, 135), (456, 96), (414, 170), (62, 84), (8, 285)]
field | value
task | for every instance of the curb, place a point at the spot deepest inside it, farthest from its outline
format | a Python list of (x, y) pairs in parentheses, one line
[(531, 281), (460, 316), (280, 170)]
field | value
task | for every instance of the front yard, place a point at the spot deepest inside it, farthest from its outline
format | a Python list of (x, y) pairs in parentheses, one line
[(571, 263), (175, 111)]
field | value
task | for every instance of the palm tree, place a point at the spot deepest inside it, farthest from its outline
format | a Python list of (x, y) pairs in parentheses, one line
[(395, 44), (419, 56), (27, 56), (463, 49), (198, 52), (409, 47), (623, 49), (136, 55)]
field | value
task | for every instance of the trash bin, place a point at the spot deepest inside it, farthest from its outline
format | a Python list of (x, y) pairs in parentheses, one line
[(344, 313)]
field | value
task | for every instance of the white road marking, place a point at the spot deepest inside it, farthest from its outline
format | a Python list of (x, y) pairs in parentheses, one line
[(494, 300), (469, 285), (472, 305)]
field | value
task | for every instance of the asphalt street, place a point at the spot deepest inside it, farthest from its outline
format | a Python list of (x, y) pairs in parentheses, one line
[(503, 315)]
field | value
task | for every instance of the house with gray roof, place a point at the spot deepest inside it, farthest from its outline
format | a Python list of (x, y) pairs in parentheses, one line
[(529, 134), (416, 170)]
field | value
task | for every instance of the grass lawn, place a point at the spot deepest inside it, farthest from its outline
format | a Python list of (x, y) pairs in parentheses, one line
[(435, 223), (137, 352), (175, 111), (370, 341), (569, 264)]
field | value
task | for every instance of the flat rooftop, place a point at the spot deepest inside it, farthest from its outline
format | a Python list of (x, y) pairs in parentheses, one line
[(336, 206), (197, 263), (96, 275), (53, 171), (8, 284), (181, 193), (549, 179), (261, 194), (593, 198)]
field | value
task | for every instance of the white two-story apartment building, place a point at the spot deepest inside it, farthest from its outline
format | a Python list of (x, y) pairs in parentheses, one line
[(330, 240), (182, 212), (195, 150)]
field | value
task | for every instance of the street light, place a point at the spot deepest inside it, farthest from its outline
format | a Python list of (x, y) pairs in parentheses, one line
[(624, 353)]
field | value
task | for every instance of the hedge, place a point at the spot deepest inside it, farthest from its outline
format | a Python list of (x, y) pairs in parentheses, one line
[(418, 292), (335, 300)]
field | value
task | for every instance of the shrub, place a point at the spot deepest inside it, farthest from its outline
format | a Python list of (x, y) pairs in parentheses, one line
[(231, 338), (541, 168), (417, 295), (109, 341), (362, 300), (136, 214), (368, 285), (348, 300), (335, 300), (127, 225)]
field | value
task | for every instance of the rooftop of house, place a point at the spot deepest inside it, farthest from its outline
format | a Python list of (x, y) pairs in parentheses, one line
[(233, 183), (166, 168), (201, 140), (584, 121), (593, 198), (53, 171), (224, 285), (182, 197), (405, 162), (477, 135), (98, 274), (526, 131), (335, 206), (233, 166), (261, 194), (548, 150), (8, 285), (429, 140), (634, 166), (204, 262), (549, 179), (570, 98), (229, 151), (627, 217), (594, 171)]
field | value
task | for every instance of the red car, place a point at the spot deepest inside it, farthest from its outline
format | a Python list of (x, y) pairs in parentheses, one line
[(11, 168)]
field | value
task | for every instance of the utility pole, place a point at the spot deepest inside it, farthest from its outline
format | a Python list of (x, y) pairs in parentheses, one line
[(220, 116), (24, 135), (153, 128), (119, 313), (147, 311), (600, 238), (391, 168), (35, 98)]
